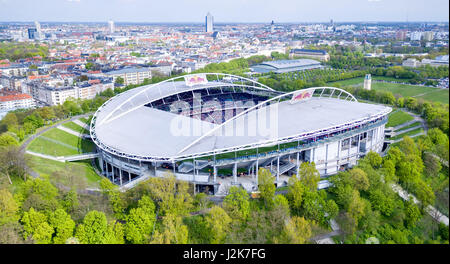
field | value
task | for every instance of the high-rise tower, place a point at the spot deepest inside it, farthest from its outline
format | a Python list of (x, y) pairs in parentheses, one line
[(38, 30), (209, 24), (111, 26)]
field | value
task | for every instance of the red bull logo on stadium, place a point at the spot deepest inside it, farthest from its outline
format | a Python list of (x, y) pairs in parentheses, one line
[(195, 79), (301, 96)]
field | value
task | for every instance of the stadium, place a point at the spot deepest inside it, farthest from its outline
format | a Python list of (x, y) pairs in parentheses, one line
[(216, 130)]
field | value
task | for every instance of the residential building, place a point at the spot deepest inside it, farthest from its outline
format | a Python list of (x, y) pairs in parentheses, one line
[(131, 75), (16, 101)]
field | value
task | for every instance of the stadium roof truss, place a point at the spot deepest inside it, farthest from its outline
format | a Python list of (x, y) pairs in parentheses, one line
[(128, 105)]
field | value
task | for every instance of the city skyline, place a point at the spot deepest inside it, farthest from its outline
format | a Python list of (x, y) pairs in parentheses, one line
[(284, 11)]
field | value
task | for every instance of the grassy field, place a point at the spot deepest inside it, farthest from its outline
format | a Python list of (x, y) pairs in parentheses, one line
[(86, 120), (409, 126), (397, 118), (439, 95), (56, 142), (75, 127), (360, 80), (410, 133), (49, 167), (426, 93)]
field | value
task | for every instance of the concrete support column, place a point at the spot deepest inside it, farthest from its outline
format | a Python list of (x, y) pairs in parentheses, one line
[(129, 176), (100, 163), (256, 172), (193, 179), (120, 175), (278, 167), (215, 173), (326, 158), (373, 137), (338, 155), (235, 172), (314, 154), (349, 147), (112, 172), (359, 143)]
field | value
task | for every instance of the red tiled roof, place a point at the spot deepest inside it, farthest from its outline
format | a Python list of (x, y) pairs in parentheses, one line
[(33, 77), (15, 97), (93, 81)]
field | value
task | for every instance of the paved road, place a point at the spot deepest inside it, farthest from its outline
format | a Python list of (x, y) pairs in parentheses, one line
[(433, 212)]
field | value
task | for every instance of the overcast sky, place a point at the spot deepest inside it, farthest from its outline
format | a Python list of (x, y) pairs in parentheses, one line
[(224, 10)]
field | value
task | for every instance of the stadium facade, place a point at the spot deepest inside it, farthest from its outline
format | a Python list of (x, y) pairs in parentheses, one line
[(217, 130)]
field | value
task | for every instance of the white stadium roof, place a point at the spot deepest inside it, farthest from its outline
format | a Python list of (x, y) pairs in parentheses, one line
[(136, 131)]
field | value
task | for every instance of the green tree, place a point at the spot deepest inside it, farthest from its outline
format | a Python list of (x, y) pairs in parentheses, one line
[(140, 221), (7, 140), (40, 194), (331, 208), (120, 80), (114, 196), (8, 207), (357, 206), (281, 202), (171, 195), (237, 203), (10, 121), (266, 186), (297, 230), (89, 65), (218, 222), (358, 179), (309, 175), (12, 162), (412, 213), (63, 225), (374, 159), (296, 191), (382, 201), (35, 225), (70, 200), (93, 229), (432, 165), (173, 231), (424, 193)]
